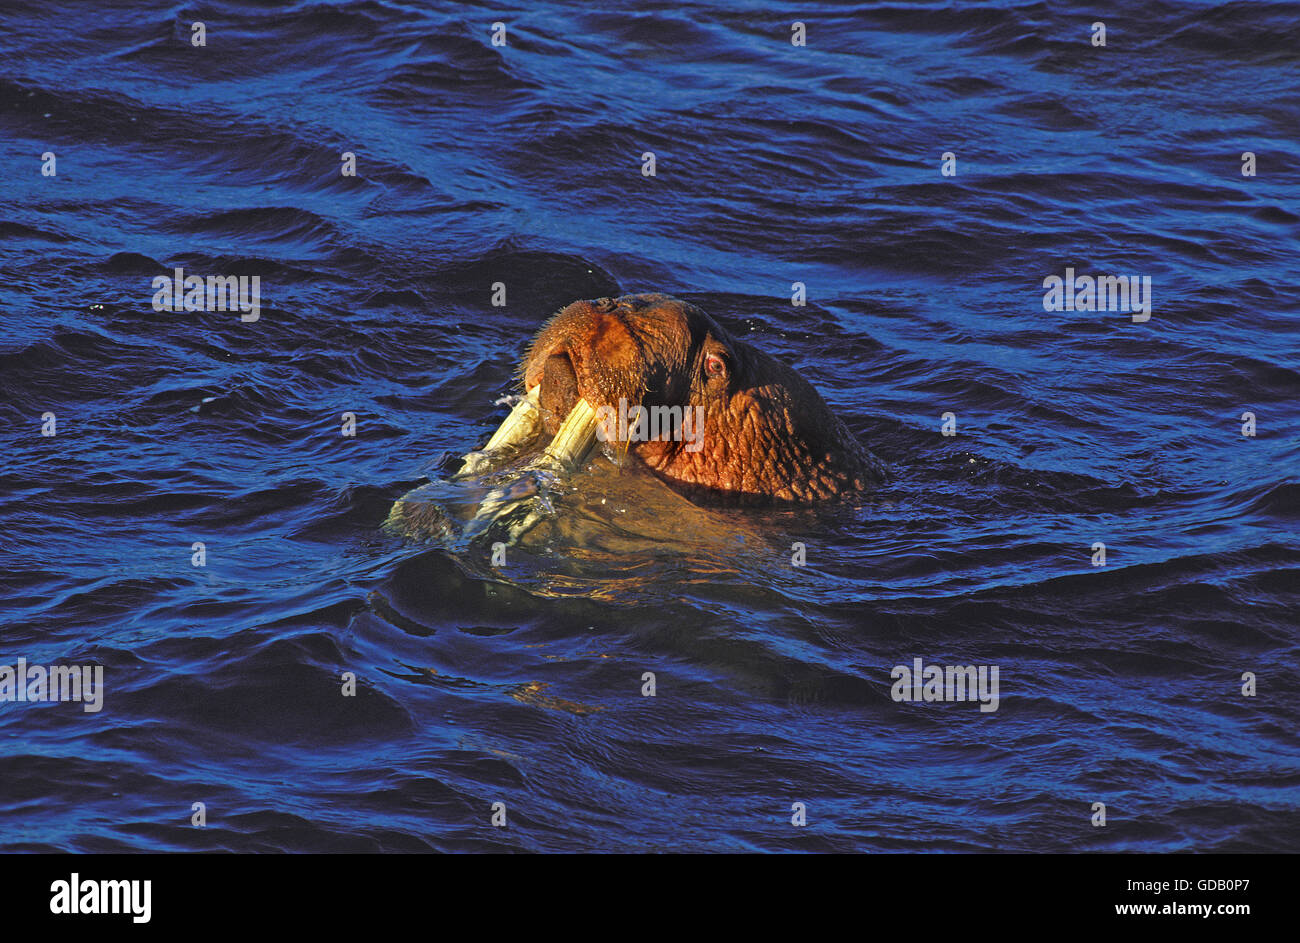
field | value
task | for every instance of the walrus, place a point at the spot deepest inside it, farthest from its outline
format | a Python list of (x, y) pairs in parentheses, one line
[(712, 416)]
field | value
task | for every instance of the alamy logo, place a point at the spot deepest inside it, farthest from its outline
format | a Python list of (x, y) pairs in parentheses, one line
[(1127, 293), (951, 683), (75, 896), (181, 292), (23, 682), (638, 423)]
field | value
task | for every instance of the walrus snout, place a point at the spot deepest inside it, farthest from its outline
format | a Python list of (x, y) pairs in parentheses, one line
[(591, 350)]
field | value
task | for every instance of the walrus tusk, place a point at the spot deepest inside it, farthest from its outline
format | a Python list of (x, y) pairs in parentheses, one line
[(573, 442), (520, 427)]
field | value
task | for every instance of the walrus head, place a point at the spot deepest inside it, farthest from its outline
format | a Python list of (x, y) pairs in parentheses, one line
[(659, 379)]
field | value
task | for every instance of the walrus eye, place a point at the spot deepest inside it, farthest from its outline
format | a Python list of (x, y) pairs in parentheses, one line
[(715, 366)]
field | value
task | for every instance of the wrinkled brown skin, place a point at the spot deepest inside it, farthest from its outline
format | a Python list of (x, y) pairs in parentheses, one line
[(768, 437)]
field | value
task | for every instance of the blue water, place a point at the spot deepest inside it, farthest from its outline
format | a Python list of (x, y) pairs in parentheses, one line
[(522, 683)]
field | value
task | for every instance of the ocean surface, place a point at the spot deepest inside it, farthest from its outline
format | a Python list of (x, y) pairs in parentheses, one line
[(522, 683)]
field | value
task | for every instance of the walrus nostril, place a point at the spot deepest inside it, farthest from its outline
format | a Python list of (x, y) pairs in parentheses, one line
[(605, 304)]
